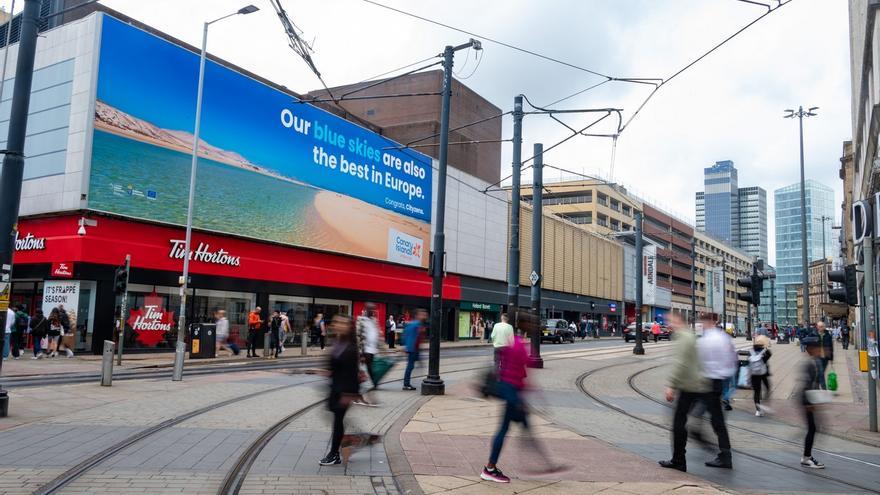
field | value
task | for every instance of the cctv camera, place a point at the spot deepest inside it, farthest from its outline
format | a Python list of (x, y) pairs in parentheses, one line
[(81, 230)]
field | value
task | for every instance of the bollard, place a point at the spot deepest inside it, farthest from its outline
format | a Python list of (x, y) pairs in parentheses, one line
[(305, 343), (266, 338), (107, 364)]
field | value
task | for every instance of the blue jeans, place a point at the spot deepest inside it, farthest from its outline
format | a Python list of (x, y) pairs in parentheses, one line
[(411, 358), (37, 348), (514, 411), (729, 388), (6, 345)]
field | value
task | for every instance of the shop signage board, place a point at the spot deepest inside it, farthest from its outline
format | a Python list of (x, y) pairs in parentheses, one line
[(58, 293), (29, 242), (474, 306), (286, 171), (62, 269), (152, 322)]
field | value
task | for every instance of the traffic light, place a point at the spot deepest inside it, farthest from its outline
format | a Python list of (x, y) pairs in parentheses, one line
[(753, 284), (849, 293), (120, 280)]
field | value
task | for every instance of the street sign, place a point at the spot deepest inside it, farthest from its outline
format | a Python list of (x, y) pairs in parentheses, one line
[(4, 295), (534, 278)]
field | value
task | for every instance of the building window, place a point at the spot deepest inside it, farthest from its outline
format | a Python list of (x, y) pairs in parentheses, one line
[(602, 220), (603, 199), (615, 205)]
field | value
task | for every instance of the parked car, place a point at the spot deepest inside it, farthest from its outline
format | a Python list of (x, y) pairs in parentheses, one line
[(629, 333), (556, 331)]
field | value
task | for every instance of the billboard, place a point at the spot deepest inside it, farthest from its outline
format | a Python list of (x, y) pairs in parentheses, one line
[(715, 281), (649, 275), (270, 167)]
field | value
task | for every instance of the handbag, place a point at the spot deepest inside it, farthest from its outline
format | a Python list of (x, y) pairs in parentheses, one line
[(816, 396), (380, 367), (489, 384)]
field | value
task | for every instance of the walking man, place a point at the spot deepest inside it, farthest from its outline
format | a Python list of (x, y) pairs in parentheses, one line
[(718, 361), (254, 325), (368, 345), (844, 335), (275, 333), (502, 336), (686, 386), (390, 331), (412, 336)]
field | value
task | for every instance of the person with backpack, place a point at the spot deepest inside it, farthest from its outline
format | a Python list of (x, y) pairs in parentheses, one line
[(39, 326), (19, 331), (760, 371)]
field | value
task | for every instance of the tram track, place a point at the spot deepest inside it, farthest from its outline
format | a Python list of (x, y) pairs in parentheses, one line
[(580, 383)]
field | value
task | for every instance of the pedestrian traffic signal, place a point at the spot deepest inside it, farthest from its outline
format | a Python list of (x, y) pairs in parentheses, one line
[(849, 293), (120, 280)]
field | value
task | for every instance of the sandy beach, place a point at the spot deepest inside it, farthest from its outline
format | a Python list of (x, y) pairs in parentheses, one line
[(361, 229)]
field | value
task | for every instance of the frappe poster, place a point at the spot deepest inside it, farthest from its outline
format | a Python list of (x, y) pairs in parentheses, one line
[(270, 167)]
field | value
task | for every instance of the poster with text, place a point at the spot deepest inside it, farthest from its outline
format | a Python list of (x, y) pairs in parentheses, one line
[(649, 275), (58, 294), (270, 167)]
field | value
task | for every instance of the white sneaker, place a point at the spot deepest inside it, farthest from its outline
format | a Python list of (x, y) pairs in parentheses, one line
[(69, 353), (759, 413), (35, 357), (811, 463)]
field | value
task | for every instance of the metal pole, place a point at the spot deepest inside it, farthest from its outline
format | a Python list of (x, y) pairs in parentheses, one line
[(772, 303), (433, 384), (693, 283), (535, 360), (13, 163), (513, 254), (180, 350), (122, 307), (639, 349), (868, 324), (6, 49), (824, 270), (805, 278)]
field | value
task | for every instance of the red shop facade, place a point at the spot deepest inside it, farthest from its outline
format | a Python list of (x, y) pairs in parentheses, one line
[(57, 263)]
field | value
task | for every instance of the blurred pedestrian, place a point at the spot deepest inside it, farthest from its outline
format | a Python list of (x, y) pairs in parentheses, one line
[(39, 326), (55, 331), (502, 335), (686, 386), (222, 329), (7, 331), (718, 361), (284, 331), (582, 328), (343, 370), (367, 332), (511, 382), (827, 343), (655, 330), (319, 331), (255, 324), (390, 331), (759, 368), (275, 333), (412, 337), (844, 335), (810, 380), (19, 331)]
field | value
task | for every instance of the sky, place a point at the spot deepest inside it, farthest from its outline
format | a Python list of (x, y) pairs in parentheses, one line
[(729, 106)]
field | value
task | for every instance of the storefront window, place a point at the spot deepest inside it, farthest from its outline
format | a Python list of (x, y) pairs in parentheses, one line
[(297, 310), (206, 303), (153, 313), (330, 308), (475, 320), (77, 297)]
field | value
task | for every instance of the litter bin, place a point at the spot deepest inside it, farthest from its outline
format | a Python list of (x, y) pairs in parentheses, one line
[(203, 341), (742, 370)]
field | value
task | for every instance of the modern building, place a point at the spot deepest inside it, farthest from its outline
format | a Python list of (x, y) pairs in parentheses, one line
[(789, 263), (732, 214)]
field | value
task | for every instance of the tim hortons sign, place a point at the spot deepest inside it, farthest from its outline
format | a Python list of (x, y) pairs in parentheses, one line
[(203, 253)]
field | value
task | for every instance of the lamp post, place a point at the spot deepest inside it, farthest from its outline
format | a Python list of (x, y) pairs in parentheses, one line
[(180, 349), (800, 114)]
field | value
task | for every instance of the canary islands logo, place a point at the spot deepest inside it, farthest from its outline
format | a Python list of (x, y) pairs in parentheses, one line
[(404, 248)]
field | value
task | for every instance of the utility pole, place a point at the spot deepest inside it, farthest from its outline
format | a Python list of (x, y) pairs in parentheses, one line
[(13, 162), (639, 349), (433, 384), (773, 302), (869, 318), (693, 283), (535, 360), (800, 114), (513, 252)]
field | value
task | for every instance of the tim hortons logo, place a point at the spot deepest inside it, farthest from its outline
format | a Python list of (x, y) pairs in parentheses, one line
[(29, 242), (151, 322), (62, 270), (203, 253)]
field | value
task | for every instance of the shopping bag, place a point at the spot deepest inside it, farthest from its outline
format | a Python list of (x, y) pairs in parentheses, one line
[(815, 397), (832, 381), (488, 384), (744, 378), (381, 365)]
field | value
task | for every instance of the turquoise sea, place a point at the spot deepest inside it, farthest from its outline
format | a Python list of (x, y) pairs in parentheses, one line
[(138, 179)]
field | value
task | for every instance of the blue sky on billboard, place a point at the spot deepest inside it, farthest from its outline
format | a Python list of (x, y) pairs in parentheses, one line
[(156, 81)]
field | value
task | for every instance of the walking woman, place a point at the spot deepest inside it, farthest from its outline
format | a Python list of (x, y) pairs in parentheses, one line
[(319, 330), (512, 361), (811, 381), (759, 355), (344, 383), (54, 334), (39, 329)]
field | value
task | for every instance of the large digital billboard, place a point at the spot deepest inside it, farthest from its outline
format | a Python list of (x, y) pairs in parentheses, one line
[(270, 167)]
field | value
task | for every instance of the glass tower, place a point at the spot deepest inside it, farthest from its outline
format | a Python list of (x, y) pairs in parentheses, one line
[(789, 268)]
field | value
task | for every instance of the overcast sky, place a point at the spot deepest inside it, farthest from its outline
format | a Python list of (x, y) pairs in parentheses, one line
[(729, 106)]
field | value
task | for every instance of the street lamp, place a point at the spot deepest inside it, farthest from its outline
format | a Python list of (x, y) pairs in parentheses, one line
[(800, 114), (180, 350)]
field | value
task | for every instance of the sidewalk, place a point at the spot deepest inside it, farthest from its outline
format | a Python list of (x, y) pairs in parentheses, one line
[(447, 442), (90, 363), (845, 417)]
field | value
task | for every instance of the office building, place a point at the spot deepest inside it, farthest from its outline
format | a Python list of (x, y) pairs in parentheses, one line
[(732, 214), (789, 264)]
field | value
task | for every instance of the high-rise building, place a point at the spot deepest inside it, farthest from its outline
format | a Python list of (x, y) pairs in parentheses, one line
[(789, 265), (736, 216)]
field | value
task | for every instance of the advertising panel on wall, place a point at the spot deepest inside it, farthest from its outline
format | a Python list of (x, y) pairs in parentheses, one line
[(716, 289), (270, 167), (58, 294)]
